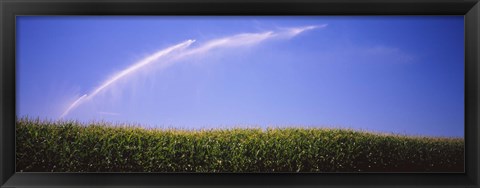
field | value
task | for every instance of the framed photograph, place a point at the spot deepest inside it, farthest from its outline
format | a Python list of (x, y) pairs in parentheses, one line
[(239, 93)]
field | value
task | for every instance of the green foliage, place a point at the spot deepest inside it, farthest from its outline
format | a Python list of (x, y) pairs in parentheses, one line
[(100, 147)]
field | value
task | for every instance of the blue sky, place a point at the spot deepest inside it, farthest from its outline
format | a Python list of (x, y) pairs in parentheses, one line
[(393, 74)]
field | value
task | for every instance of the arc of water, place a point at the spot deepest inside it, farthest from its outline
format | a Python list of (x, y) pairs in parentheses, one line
[(231, 41)]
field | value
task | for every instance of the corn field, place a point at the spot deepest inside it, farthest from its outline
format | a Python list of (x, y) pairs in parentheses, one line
[(54, 146)]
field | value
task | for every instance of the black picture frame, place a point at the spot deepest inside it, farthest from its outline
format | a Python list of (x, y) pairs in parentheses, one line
[(11, 8)]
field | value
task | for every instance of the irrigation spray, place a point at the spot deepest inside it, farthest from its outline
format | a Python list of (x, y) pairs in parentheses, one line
[(243, 39)]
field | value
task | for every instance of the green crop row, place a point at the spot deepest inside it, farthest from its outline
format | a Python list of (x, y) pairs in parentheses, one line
[(45, 146)]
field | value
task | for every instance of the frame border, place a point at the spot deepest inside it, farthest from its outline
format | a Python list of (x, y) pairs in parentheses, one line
[(9, 9)]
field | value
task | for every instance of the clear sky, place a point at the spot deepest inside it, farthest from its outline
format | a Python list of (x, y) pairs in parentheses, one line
[(393, 74)]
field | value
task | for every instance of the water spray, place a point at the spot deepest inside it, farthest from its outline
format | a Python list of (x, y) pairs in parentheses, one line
[(243, 39)]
